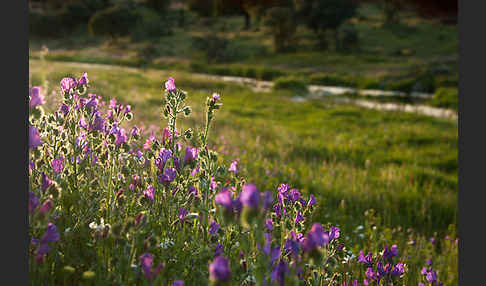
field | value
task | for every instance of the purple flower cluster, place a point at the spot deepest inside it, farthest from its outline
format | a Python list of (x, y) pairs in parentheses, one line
[(384, 269), (146, 262), (219, 270), (51, 235), (430, 275)]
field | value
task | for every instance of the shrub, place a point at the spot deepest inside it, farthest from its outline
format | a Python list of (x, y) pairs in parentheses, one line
[(446, 97), (348, 38), (332, 80), (46, 25), (327, 15), (115, 21), (216, 49), (204, 8), (291, 83), (149, 25), (282, 26)]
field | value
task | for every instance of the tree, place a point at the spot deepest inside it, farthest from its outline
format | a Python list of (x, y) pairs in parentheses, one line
[(326, 15)]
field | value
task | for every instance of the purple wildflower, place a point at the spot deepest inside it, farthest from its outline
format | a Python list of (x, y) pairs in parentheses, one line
[(36, 97), (298, 217), (121, 137), (193, 191), (334, 233), (64, 109), (367, 260), (268, 241), (279, 271), (149, 192), (312, 201), (269, 224), (267, 200), (168, 176), (68, 84), (219, 270), (218, 250), (370, 274), (315, 237), (45, 182), (390, 253), (213, 228), (128, 109), (57, 165), (398, 269), (34, 137), (191, 154), (93, 102), (294, 195), (249, 196), (83, 80), (431, 276), (234, 167), (182, 214), (135, 131), (98, 123), (51, 235), (276, 252), (224, 198), (164, 155), (291, 246), (170, 85), (215, 97), (213, 184), (178, 283), (46, 206), (33, 202), (146, 261)]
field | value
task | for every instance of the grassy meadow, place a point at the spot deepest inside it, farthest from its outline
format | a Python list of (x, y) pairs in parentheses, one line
[(379, 176), (382, 177)]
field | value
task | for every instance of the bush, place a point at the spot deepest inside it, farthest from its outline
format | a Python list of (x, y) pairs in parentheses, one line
[(204, 8), (149, 25), (46, 25), (114, 22), (327, 15), (348, 38), (216, 49), (332, 80), (282, 25), (291, 83), (446, 97)]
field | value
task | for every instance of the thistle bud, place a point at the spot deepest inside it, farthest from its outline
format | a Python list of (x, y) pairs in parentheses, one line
[(187, 110)]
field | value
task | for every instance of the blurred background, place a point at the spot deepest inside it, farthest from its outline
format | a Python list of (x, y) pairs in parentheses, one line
[(403, 45), (293, 76)]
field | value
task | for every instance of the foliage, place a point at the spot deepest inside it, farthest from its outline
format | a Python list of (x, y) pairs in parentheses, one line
[(349, 39), (292, 83), (216, 49), (160, 6), (446, 97), (114, 22), (204, 8), (327, 15), (149, 25), (282, 25)]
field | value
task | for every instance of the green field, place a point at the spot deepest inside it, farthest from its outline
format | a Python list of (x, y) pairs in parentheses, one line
[(382, 177)]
